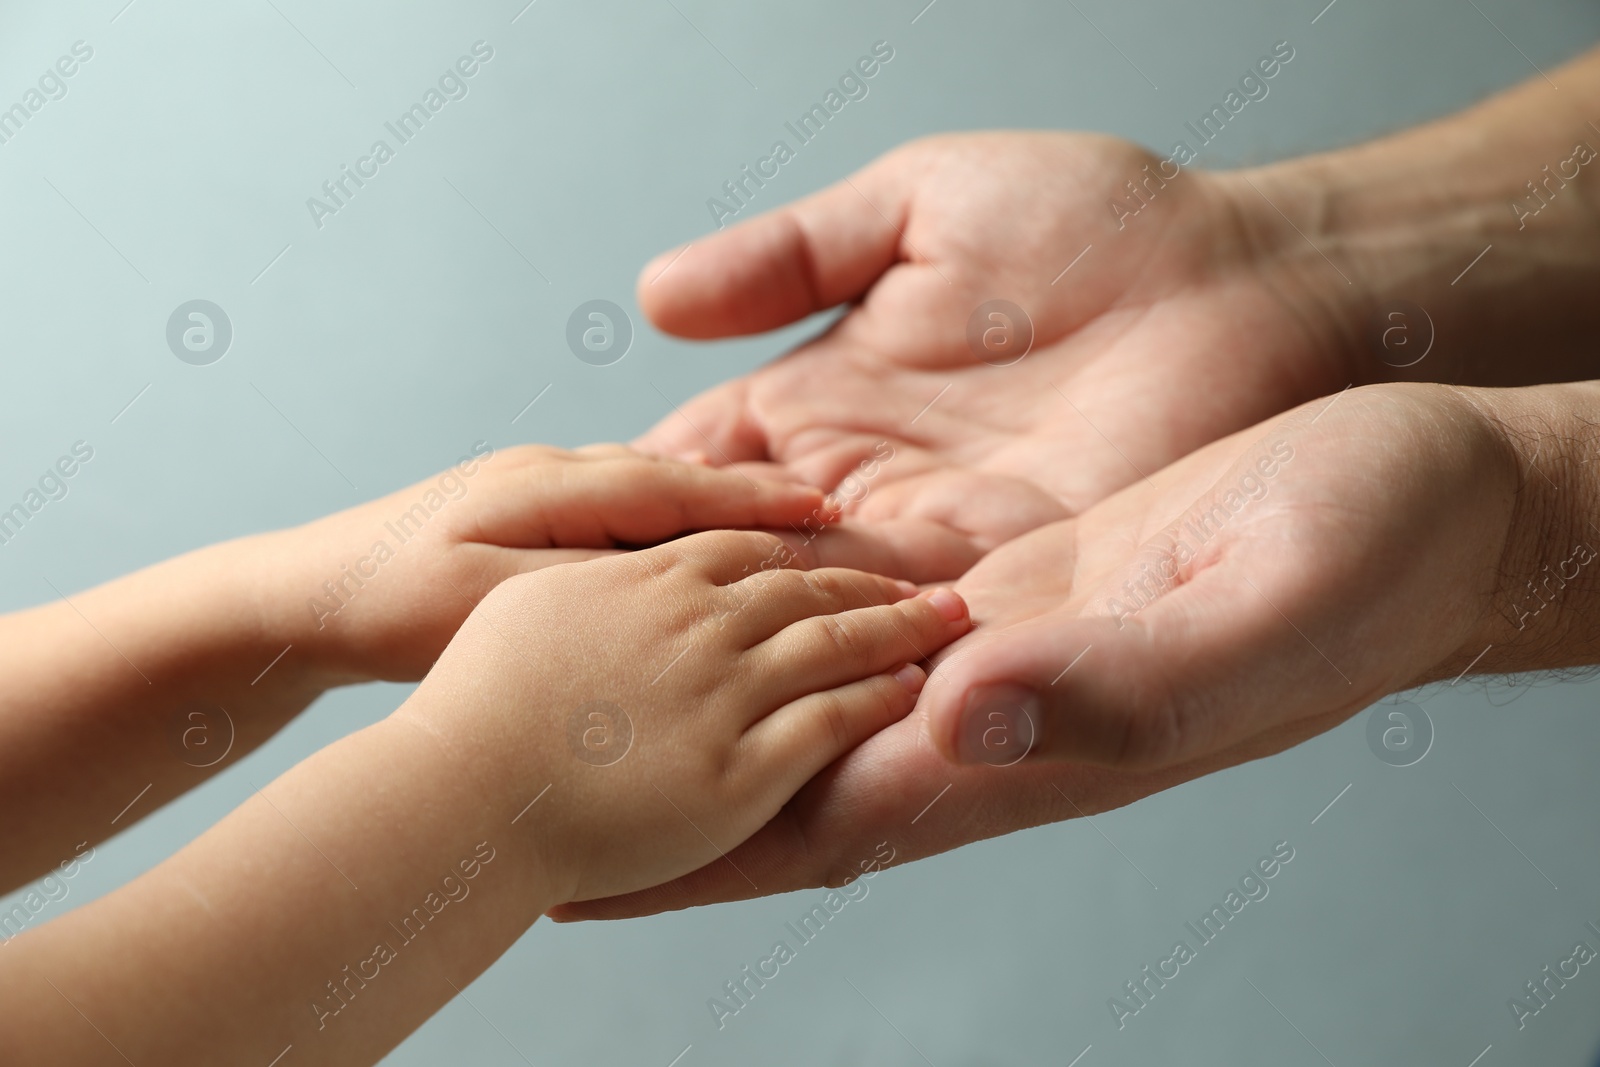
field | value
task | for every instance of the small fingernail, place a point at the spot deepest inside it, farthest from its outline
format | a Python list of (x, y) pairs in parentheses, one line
[(907, 589), (999, 726), (950, 607), (911, 676)]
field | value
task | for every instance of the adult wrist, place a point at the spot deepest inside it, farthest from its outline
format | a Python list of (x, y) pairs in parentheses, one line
[(1547, 600), (1453, 252), (1272, 208), (1349, 236)]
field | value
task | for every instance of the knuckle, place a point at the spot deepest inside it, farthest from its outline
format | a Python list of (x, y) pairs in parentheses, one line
[(755, 581), (867, 590), (755, 589), (1156, 728), (886, 697), (844, 637), (835, 716), (734, 544), (760, 542), (661, 561), (824, 586)]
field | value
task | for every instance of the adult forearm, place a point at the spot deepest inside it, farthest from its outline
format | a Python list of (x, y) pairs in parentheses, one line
[(1487, 221)]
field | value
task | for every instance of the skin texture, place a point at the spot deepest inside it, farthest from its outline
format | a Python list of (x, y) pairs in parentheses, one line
[(1122, 373), (178, 670), (1226, 299), (349, 899), (1402, 528), (1392, 543)]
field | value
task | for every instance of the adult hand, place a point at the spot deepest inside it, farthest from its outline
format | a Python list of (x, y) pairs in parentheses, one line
[(1176, 326), (1251, 595), (1408, 217), (1227, 298)]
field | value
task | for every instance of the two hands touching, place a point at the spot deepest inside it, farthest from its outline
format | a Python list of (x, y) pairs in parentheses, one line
[(1202, 520), (244, 635), (744, 666), (1209, 613)]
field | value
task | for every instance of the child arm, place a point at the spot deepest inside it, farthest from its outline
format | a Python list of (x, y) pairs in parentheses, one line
[(354, 896), (119, 698)]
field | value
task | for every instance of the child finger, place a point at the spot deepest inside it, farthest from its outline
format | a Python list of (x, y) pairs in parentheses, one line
[(831, 650), (637, 501), (801, 738), (726, 556), (766, 601)]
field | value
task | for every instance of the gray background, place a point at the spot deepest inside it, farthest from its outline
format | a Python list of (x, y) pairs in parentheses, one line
[(410, 326)]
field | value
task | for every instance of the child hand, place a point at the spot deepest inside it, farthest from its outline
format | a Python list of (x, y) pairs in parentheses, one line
[(419, 849), (670, 701), (378, 590), (205, 656)]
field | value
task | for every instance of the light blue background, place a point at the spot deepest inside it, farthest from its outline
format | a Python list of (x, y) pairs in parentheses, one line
[(408, 327)]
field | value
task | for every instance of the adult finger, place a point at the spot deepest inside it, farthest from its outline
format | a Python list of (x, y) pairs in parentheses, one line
[(716, 427), (1202, 668), (780, 267)]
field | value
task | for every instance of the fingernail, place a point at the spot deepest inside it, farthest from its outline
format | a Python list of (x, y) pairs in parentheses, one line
[(912, 677), (999, 725), (950, 607), (907, 589)]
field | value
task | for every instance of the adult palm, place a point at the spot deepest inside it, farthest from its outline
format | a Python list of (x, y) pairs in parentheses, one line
[(1152, 333), (1348, 549)]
